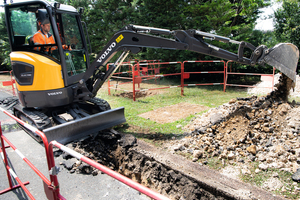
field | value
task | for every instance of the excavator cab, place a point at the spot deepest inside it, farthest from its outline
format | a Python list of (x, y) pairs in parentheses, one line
[(42, 68)]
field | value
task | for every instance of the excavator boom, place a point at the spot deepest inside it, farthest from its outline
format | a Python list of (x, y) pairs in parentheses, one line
[(283, 56)]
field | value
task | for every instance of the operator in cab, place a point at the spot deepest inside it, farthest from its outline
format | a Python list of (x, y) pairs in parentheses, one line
[(43, 36)]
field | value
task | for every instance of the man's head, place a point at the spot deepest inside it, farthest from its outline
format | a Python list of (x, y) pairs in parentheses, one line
[(44, 20), (46, 27)]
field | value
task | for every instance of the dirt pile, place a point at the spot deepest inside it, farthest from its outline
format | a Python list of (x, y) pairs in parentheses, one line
[(252, 129), (262, 129)]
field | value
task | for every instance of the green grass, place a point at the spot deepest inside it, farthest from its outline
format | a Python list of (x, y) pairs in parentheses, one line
[(285, 177), (215, 163), (210, 96)]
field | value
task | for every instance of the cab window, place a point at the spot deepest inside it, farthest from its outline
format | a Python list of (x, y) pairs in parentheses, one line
[(75, 54), (24, 23)]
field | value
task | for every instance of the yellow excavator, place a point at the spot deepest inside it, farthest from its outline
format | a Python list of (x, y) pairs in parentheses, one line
[(57, 86)]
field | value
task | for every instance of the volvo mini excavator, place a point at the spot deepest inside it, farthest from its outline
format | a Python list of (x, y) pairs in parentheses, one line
[(57, 85)]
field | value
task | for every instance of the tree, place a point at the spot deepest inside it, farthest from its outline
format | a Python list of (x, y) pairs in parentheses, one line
[(287, 23), (234, 19), (4, 45)]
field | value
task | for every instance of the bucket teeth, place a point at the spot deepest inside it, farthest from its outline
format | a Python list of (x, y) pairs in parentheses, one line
[(284, 57)]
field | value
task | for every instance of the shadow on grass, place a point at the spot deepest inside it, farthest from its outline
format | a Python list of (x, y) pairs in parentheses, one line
[(141, 133)]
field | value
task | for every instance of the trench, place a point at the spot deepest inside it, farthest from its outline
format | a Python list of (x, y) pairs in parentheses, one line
[(117, 151)]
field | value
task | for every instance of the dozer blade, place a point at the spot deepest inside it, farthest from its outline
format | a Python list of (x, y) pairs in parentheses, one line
[(284, 57), (80, 128)]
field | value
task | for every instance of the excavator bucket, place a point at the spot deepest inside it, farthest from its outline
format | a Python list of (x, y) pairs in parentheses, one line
[(284, 57), (80, 128)]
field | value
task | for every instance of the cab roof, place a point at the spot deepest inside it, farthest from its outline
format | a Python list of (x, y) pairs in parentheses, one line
[(62, 7)]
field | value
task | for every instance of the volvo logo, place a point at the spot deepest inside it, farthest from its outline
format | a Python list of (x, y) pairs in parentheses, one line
[(106, 52), (54, 93)]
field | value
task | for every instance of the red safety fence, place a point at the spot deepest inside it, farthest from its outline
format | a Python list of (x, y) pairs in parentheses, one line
[(142, 72), (51, 186), (138, 78), (9, 172), (9, 84), (147, 70), (186, 75), (271, 76), (116, 175)]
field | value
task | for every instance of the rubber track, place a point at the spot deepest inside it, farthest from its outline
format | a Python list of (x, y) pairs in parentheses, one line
[(101, 103)]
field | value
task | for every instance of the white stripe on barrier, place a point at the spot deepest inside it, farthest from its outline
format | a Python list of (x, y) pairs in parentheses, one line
[(115, 85), (204, 72), (159, 75), (20, 154), (193, 61), (191, 85), (120, 89), (2, 109), (174, 86), (71, 152), (13, 173), (2, 155), (173, 62), (33, 129), (216, 83)]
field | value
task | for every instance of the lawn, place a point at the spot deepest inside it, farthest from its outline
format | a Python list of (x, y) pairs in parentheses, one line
[(209, 96)]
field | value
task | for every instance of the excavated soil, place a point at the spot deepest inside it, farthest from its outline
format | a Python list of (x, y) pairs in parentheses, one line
[(138, 94), (116, 151), (144, 90), (247, 130)]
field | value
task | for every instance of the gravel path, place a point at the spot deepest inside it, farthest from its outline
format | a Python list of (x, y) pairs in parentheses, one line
[(261, 89)]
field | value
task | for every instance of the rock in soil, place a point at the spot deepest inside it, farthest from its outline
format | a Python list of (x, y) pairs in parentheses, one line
[(296, 175)]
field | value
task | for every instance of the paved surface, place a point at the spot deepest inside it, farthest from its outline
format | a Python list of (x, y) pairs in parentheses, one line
[(72, 186)]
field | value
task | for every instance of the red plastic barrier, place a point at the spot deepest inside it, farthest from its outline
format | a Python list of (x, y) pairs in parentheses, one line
[(141, 73), (138, 78), (51, 187), (109, 172), (186, 75), (252, 74), (9, 172), (9, 83)]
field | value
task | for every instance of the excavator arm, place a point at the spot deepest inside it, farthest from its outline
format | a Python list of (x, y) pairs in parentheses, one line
[(133, 38)]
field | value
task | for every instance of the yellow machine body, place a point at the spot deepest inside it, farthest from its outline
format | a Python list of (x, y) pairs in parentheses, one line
[(47, 74)]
